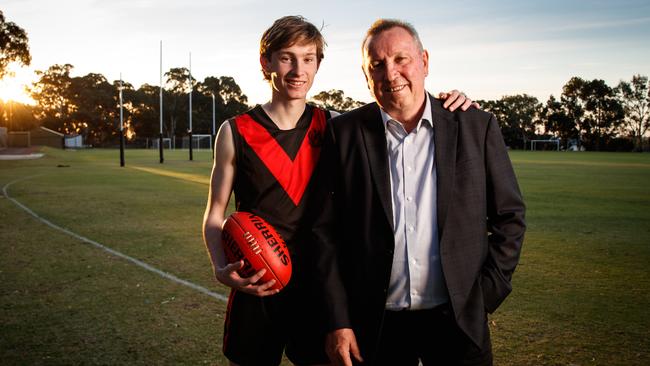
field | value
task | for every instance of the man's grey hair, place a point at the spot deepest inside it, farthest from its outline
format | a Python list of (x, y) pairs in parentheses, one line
[(381, 25)]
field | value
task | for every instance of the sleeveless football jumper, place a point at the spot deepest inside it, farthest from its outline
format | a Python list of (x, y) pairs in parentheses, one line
[(273, 175)]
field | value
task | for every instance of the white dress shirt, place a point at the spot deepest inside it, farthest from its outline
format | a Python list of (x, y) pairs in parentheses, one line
[(416, 280)]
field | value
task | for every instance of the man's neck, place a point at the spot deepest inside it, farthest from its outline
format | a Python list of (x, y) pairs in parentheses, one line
[(285, 114)]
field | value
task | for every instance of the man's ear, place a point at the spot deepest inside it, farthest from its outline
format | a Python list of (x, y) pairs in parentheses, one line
[(363, 69), (425, 59)]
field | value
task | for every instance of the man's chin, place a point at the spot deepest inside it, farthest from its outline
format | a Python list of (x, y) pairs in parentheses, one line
[(392, 104)]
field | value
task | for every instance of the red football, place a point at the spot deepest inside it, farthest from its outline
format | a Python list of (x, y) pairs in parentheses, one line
[(249, 237)]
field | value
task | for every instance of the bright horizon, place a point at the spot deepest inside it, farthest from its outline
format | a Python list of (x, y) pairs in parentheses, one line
[(487, 49)]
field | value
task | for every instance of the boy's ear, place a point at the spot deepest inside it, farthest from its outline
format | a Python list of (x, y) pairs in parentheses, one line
[(265, 62)]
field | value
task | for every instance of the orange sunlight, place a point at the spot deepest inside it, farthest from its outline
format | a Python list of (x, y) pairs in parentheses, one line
[(12, 87)]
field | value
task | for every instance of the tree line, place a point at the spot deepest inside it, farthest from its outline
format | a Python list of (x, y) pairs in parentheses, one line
[(589, 114)]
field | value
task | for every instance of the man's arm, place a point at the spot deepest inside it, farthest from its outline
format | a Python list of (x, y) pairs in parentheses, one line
[(221, 183), (341, 345), (506, 224)]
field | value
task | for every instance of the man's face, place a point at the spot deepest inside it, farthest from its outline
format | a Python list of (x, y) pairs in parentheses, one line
[(292, 70), (395, 69)]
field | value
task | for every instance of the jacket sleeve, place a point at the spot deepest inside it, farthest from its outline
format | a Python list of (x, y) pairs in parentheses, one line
[(327, 240), (506, 221)]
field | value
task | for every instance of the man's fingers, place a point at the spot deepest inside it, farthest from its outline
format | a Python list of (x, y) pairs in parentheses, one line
[(354, 350), (340, 357), (466, 105), (460, 100), (340, 345), (452, 96)]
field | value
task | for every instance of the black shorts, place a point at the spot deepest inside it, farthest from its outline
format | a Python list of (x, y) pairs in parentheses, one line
[(259, 329)]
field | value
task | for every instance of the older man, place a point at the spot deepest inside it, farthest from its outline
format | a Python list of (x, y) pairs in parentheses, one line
[(425, 221)]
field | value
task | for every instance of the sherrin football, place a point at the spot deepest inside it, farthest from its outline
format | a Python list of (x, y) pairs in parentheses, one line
[(249, 237)]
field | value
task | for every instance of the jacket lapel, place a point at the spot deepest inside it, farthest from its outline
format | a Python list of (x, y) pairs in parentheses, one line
[(445, 135), (374, 136)]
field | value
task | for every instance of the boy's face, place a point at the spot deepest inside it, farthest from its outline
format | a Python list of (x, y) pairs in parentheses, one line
[(292, 70)]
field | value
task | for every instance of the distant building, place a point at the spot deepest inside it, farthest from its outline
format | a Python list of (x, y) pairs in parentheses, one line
[(41, 136)]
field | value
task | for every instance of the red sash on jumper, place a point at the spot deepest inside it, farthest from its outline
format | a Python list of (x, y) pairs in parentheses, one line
[(294, 175)]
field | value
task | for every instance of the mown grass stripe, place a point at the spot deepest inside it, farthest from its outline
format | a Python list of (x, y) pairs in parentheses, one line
[(114, 252)]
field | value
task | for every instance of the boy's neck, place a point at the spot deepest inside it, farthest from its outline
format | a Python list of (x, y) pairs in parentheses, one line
[(285, 113)]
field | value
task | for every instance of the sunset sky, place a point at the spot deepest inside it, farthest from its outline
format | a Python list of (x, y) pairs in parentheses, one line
[(485, 48)]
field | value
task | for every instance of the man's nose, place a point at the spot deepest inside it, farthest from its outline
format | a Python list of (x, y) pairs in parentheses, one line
[(392, 71)]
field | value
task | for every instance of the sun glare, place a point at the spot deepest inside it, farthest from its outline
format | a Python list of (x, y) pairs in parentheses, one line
[(12, 87)]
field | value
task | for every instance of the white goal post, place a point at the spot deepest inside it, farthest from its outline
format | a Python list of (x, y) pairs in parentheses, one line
[(167, 143), (202, 142), (533, 144)]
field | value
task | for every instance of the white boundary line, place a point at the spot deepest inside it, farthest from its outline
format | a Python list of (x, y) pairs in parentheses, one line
[(114, 252)]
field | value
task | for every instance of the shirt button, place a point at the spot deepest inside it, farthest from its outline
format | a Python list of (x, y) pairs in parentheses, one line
[(408, 168), (410, 227), (409, 198)]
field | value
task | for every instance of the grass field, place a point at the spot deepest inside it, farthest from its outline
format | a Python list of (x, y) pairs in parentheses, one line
[(581, 293)]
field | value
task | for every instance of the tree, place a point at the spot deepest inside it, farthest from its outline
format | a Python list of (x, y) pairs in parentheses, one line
[(594, 108), (17, 116), (144, 109), (603, 113), (176, 100), (573, 105), (557, 121), (52, 95), (335, 100), (228, 97), (635, 98), (13, 45), (96, 108), (518, 116), (522, 112), (235, 102)]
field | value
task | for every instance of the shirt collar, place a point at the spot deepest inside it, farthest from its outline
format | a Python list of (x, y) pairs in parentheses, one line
[(426, 114)]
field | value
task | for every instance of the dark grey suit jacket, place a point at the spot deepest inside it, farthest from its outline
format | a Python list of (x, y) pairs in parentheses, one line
[(480, 220)]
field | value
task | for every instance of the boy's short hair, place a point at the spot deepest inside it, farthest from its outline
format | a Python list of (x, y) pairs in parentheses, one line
[(287, 31)]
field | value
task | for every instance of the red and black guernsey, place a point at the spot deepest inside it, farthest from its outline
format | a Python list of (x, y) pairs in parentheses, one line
[(274, 168)]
